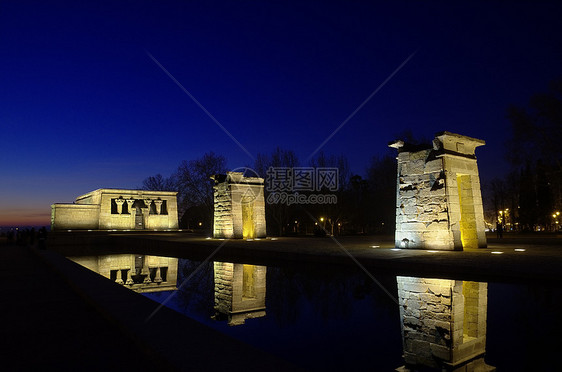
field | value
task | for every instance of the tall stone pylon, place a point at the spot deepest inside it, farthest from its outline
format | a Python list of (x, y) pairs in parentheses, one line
[(239, 206), (438, 197)]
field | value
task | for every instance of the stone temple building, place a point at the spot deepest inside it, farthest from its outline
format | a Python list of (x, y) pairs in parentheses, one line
[(239, 291), (118, 209), (438, 198), (443, 324), (239, 206), (141, 273)]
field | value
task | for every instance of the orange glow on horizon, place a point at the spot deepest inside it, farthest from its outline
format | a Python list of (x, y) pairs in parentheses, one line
[(25, 218)]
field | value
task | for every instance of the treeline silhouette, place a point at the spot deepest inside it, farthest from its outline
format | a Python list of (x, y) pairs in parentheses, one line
[(529, 198), (365, 204)]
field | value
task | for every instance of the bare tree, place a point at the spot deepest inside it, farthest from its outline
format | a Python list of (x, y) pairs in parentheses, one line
[(195, 187), (159, 183), (381, 202), (334, 214), (277, 215)]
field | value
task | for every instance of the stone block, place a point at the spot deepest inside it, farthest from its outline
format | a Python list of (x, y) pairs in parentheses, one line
[(441, 352)]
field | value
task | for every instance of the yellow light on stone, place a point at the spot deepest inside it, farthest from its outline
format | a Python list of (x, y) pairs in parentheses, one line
[(497, 252), (519, 250), (375, 246), (395, 249), (432, 251)]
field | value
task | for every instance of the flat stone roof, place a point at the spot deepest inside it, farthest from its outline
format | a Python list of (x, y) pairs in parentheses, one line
[(128, 191)]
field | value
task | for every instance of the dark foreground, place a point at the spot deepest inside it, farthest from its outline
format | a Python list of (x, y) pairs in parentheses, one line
[(58, 315)]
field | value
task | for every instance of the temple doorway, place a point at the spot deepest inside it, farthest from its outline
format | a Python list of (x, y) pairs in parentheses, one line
[(139, 221), (248, 230), (469, 236)]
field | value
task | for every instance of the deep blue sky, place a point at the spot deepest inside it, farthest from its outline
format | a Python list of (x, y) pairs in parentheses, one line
[(82, 106)]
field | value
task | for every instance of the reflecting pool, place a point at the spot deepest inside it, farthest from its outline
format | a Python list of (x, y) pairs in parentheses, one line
[(324, 317)]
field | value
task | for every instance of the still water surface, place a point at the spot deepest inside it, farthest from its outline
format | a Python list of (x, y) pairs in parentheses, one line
[(323, 317)]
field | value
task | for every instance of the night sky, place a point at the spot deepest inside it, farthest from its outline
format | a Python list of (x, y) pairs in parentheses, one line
[(84, 106)]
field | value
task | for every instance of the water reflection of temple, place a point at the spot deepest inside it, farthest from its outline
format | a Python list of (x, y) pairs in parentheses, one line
[(239, 291), (443, 324), (141, 273)]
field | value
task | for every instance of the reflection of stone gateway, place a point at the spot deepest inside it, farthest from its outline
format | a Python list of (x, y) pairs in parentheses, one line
[(439, 203), (239, 291), (118, 209), (239, 206), (443, 324)]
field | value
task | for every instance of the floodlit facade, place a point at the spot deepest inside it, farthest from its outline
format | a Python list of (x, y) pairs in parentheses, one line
[(141, 273), (438, 197), (239, 206), (239, 291), (443, 324), (118, 209)]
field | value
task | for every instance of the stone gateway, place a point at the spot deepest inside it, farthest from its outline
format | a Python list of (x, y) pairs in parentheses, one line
[(239, 206), (438, 198)]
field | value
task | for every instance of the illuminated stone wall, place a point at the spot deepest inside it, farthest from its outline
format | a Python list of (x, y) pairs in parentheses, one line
[(118, 209), (141, 273), (438, 197), (239, 291), (239, 206), (443, 324), (75, 216)]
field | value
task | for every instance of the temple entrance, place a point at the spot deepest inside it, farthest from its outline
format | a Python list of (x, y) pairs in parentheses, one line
[(248, 230), (139, 221), (469, 237)]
